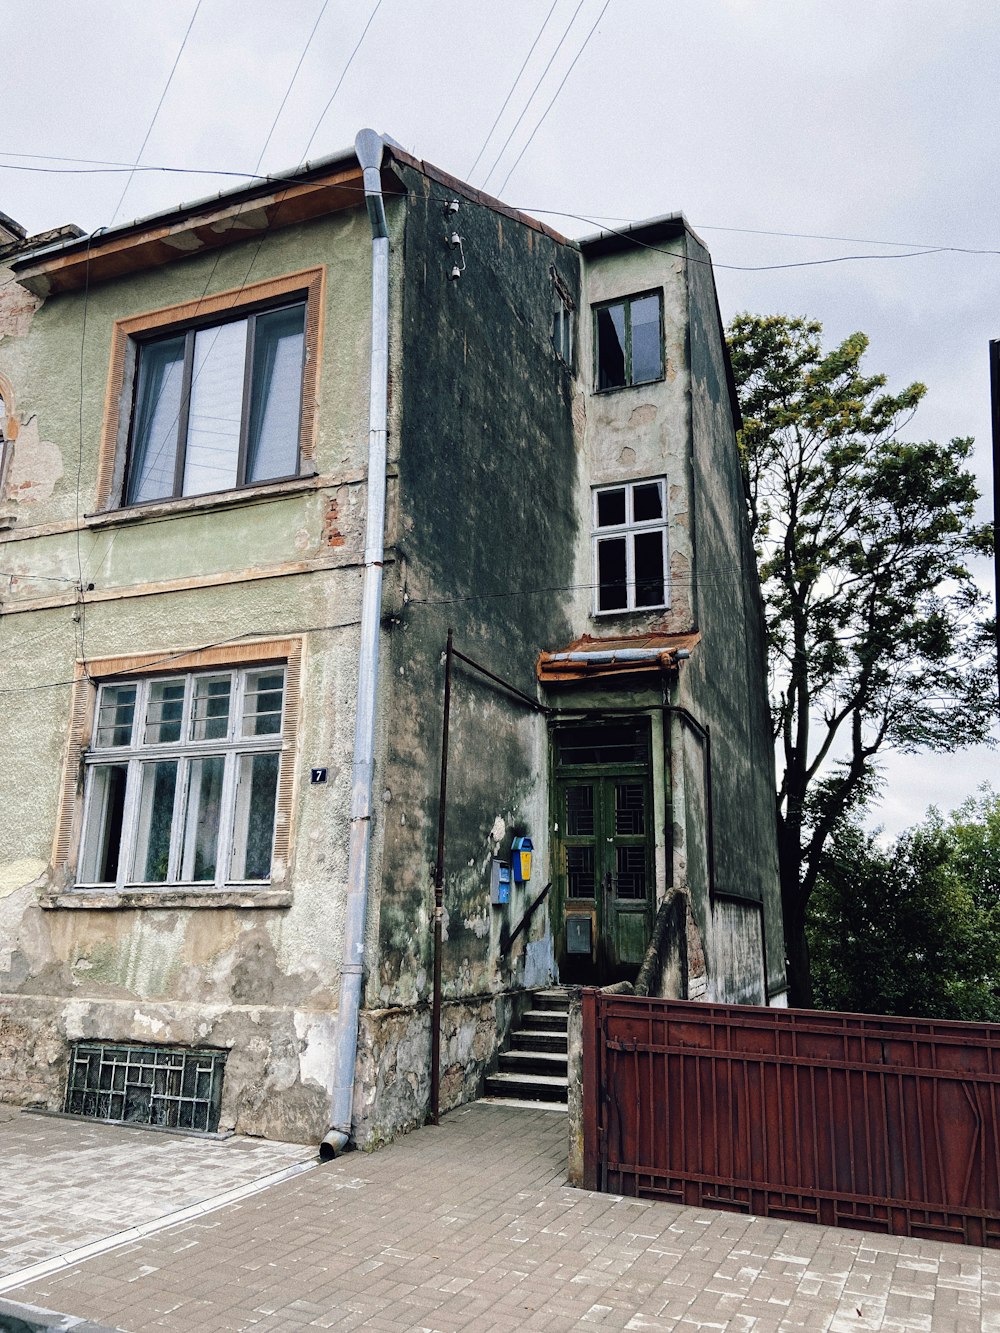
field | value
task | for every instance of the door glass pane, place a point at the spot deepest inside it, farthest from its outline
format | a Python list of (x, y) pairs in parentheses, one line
[(262, 702), (102, 836), (253, 838), (647, 358), (276, 402), (202, 818), (630, 808), (164, 711), (630, 881), (156, 418), (114, 717), (649, 568), (151, 864), (611, 347), (210, 708), (213, 435), (580, 872), (579, 812), (627, 743), (611, 575)]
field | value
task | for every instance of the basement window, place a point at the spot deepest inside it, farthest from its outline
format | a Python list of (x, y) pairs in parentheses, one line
[(630, 546), (628, 340), (170, 1087)]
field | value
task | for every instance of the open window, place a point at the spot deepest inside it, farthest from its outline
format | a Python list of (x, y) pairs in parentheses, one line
[(628, 341), (630, 546)]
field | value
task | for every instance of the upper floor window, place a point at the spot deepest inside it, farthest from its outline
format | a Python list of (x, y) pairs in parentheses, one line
[(182, 780), (214, 394), (628, 339), (630, 546), (218, 406)]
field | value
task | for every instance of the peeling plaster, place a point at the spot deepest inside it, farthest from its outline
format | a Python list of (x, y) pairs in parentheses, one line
[(20, 874), (36, 467)]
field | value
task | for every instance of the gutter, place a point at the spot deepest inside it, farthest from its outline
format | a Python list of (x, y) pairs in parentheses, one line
[(369, 147)]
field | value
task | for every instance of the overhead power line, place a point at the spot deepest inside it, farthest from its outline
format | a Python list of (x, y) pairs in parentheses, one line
[(163, 95), (517, 80), (531, 97), (541, 119), (343, 76)]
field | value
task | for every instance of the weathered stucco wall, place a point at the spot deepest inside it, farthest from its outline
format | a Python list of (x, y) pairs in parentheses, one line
[(725, 683), (260, 981), (487, 528)]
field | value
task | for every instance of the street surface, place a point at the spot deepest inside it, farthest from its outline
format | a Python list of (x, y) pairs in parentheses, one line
[(467, 1226)]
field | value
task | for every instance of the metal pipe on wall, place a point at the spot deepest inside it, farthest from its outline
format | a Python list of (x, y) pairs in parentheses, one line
[(435, 1109), (368, 146)]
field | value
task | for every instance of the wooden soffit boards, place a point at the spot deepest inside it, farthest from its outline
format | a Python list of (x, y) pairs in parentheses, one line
[(189, 231)]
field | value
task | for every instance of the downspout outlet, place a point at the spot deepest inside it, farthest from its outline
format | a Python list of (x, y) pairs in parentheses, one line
[(333, 1145)]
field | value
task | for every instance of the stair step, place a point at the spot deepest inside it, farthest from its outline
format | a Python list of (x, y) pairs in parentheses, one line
[(553, 999), (524, 1104), (528, 1087), (539, 1039), (551, 1020), (533, 1062)]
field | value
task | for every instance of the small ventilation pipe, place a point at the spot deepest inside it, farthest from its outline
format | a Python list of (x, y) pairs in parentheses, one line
[(368, 145)]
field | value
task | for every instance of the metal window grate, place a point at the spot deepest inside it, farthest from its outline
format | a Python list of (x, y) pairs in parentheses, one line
[(146, 1085)]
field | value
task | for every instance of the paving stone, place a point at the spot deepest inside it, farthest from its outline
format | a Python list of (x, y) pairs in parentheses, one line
[(465, 1226)]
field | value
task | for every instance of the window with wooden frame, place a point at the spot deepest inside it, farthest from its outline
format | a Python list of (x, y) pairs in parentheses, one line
[(186, 781), (628, 341), (214, 395), (630, 546)]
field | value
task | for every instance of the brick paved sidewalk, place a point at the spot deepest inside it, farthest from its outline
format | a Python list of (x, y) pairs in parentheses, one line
[(69, 1183), (470, 1226)]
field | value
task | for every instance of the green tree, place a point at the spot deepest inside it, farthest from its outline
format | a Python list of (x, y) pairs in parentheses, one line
[(875, 625), (913, 929)]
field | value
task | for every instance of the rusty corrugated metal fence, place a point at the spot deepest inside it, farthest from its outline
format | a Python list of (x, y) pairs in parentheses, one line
[(884, 1124)]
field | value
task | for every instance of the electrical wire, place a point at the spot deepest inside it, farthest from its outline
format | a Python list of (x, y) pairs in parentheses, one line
[(531, 97), (343, 76), (510, 94), (166, 88), (291, 84), (545, 113)]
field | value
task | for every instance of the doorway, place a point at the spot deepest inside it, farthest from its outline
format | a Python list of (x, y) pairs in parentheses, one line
[(604, 841)]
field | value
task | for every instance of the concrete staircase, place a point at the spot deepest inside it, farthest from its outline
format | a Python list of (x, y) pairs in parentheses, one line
[(533, 1071)]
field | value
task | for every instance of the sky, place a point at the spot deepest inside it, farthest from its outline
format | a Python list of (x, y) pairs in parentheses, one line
[(872, 127)]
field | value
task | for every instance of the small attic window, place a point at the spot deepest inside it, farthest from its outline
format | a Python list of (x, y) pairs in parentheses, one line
[(563, 308)]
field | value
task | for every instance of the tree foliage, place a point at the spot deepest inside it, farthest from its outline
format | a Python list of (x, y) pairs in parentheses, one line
[(914, 929), (875, 625)]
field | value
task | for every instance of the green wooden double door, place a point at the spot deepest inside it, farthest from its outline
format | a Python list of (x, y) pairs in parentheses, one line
[(604, 831)]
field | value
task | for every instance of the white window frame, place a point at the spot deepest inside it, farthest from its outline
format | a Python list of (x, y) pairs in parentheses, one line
[(629, 530), (231, 748)]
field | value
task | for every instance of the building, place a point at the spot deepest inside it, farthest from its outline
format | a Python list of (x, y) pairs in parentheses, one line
[(261, 453)]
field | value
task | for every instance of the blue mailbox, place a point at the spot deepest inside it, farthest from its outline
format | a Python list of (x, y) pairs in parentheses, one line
[(520, 857), (499, 883)]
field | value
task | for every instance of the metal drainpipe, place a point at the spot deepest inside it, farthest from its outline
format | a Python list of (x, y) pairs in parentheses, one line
[(368, 145)]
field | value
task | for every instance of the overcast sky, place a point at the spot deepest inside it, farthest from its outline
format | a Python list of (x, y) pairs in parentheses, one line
[(843, 120)]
